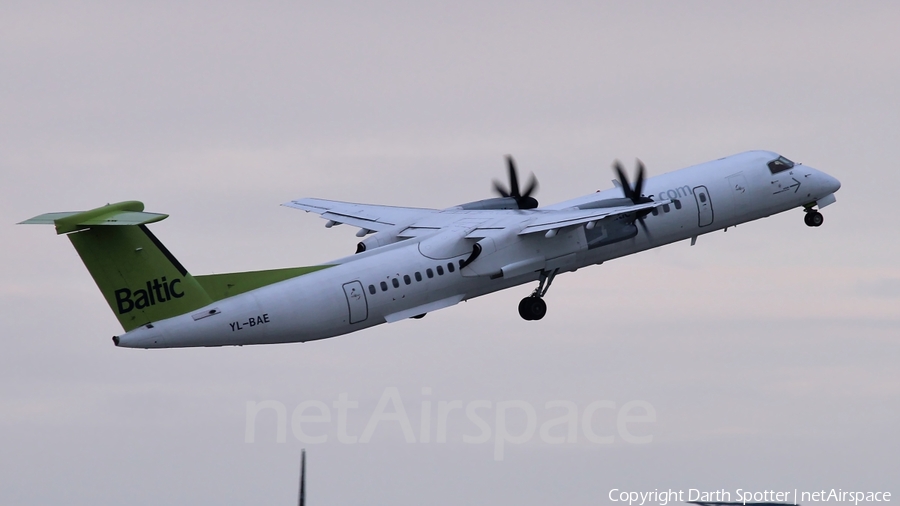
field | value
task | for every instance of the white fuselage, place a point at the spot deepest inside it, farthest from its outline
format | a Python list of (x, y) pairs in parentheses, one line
[(351, 295)]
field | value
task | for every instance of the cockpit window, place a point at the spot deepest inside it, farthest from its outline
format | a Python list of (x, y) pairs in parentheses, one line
[(780, 164)]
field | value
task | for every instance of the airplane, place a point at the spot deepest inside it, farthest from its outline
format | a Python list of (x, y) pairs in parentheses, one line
[(413, 261)]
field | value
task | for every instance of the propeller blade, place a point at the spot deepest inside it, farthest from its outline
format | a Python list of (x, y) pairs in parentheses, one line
[(532, 186), (639, 184), (523, 200), (513, 178), (635, 193), (623, 180), (646, 231), (498, 187)]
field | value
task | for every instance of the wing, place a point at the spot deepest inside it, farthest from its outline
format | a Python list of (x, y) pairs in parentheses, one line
[(365, 216), (550, 220)]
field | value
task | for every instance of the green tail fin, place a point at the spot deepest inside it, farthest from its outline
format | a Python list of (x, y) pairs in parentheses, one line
[(140, 279)]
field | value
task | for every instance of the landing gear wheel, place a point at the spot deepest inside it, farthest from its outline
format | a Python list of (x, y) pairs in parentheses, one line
[(523, 308), (532, 308), (813, 219)]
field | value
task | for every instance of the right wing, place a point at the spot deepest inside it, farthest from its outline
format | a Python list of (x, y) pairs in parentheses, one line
[(365, 216)]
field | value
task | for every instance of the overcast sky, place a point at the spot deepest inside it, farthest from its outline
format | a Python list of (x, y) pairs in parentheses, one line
[(768, 353)]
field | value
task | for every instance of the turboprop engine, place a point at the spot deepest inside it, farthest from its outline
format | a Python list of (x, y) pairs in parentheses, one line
[(510, 198)]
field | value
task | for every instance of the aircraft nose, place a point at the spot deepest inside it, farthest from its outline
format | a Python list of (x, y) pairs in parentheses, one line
[(831, 183)]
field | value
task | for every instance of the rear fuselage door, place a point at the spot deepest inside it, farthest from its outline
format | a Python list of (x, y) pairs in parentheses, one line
[(356, 301), (704, 205)]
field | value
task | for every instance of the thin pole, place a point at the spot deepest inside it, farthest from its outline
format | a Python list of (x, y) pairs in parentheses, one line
[(302, 500)]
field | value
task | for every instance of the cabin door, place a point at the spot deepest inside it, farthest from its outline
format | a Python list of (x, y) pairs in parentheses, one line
[(356, 301), (704, 205)]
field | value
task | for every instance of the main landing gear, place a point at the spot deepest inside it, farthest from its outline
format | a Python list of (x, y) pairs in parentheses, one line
[(533, 307), (813, 218)]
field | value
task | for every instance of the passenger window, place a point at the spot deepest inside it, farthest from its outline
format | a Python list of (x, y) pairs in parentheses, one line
[(677, 203), (655, 211), (462, 263), (372, 289), (703, 198), (440, 270), (780, 164), (383, 286), (418, 276), (666, 208), (429, 273), (406, 279), (450, 267), (395, 282)]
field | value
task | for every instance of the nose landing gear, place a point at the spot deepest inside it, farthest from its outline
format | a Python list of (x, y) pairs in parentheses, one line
[(533, 307), (813, 218)]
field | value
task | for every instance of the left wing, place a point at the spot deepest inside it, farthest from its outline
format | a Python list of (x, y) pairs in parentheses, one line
[(365, 216), (551, 220)]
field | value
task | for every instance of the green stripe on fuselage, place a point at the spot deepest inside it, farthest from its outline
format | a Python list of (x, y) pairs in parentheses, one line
[(222, 286)]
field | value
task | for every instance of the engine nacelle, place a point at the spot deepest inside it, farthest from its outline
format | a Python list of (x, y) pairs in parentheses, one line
[(494, 203), (378, 240)]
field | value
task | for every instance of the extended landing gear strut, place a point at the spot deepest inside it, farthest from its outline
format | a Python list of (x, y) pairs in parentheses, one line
[(533, 307), (813, 218)]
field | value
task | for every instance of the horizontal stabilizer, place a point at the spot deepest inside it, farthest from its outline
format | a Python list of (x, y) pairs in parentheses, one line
[(46, 219), (119, 214)]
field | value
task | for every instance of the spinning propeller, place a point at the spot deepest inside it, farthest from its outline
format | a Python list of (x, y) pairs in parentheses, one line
[(634, 193), (524, 200)]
